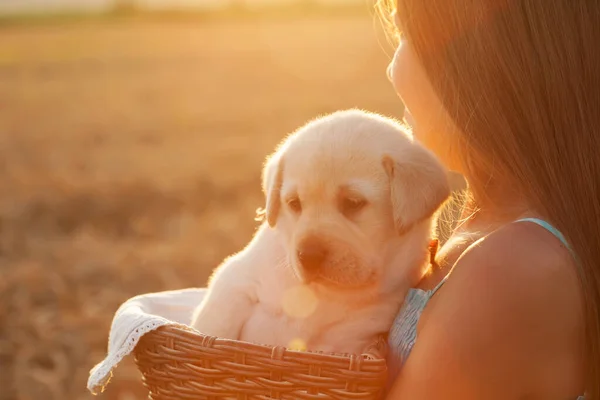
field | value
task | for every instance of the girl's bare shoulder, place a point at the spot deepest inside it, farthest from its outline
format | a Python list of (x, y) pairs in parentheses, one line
[(513, 300), (520, 256)]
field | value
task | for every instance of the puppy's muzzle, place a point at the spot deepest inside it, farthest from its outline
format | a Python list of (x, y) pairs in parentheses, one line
[(312, 254)]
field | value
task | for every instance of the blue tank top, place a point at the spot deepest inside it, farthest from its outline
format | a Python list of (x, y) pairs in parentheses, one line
[(403, 333)]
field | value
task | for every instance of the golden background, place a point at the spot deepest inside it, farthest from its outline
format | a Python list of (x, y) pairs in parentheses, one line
[(130, 156)]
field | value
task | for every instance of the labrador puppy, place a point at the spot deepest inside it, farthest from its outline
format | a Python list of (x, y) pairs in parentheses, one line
[(350, 208)]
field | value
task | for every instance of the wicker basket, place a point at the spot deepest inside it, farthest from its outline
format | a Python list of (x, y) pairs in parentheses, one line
[(179, 363)]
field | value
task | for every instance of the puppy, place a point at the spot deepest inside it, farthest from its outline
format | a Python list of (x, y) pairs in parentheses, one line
[(350, 208)]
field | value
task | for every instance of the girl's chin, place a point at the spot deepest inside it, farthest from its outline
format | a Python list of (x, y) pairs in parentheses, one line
[(408, 118)]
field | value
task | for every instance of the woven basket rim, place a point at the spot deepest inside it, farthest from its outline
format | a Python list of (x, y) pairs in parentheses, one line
[(213, 341), (177, 361)]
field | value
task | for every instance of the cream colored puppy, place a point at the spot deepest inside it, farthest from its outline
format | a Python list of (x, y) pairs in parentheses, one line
[(350, 204)]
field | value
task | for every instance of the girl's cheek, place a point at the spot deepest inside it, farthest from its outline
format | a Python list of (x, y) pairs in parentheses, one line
[(423, 111), (396, 69), (408, 81)]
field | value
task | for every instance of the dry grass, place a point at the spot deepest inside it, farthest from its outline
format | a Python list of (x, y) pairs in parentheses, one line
[(130, 156)]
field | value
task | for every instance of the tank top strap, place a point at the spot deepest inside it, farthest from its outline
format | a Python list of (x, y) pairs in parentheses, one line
[(540, 222), (439, 285), (433, 248), (547, 226)]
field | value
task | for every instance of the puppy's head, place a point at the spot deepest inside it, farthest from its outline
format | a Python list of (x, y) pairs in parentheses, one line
[(344, 191)]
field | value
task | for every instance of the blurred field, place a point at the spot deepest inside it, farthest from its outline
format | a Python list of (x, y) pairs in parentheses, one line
[(130, 157)]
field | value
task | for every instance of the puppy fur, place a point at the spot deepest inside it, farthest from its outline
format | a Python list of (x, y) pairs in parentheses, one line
[(350, 208)]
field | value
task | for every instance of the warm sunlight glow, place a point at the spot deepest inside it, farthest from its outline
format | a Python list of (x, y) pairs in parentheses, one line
[(299, 302), (178, 102)]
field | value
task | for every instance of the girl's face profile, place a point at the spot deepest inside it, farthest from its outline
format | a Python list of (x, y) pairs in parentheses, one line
[(431, 123)]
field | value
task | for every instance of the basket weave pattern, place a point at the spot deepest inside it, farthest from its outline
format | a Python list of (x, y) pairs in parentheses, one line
[(179, 363)]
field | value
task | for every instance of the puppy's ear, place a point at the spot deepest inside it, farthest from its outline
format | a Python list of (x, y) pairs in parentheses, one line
[(272, 178), (418, 186)]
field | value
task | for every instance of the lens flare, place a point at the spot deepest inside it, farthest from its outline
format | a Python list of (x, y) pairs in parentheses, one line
[(297, 345), (299, 302)]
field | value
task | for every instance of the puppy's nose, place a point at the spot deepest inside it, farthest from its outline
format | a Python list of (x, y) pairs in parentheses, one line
[(311, 254)]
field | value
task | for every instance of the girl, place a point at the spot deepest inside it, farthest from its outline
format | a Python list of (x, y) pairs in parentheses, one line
[(506, 92)]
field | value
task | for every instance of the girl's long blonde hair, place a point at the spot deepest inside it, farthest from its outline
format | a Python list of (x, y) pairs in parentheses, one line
[(521, 80)]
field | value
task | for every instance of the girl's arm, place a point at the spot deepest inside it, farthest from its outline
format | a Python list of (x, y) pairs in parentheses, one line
[(502, 327)]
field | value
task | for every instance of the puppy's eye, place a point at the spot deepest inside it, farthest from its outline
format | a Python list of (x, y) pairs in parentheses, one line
[(350, 205), (295, 205)]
